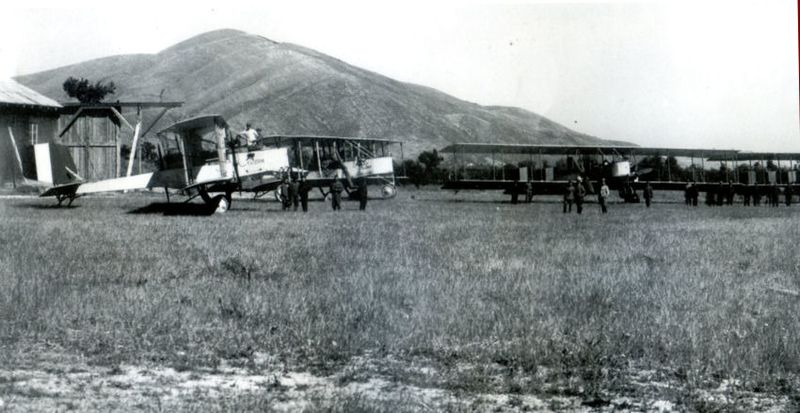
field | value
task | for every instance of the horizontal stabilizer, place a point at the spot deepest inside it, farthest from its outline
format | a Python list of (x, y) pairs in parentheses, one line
[(118, 184), (59, 190)]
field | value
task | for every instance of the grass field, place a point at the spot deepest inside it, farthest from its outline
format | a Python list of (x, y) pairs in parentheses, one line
[(457, 293)]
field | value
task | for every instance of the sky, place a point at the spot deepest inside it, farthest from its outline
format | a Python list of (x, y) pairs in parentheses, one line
[(688, 74)]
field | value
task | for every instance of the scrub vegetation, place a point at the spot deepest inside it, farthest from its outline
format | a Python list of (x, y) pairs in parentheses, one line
[(494, 298)]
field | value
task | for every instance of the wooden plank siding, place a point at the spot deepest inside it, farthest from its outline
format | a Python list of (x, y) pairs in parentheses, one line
[(93, 144)]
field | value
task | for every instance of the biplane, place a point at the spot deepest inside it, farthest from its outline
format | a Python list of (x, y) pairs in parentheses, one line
[(323, 159), (197, 158), (617, 164)]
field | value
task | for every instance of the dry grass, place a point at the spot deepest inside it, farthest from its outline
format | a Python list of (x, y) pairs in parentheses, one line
[(448, 279)]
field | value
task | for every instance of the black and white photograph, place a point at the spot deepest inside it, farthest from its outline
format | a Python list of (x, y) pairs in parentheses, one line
[(385, 206)]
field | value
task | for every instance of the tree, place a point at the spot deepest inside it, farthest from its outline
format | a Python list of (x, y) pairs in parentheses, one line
[(86, 92), (431, 160)]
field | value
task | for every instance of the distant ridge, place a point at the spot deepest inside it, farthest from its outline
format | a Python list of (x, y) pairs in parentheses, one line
[(289, 89)]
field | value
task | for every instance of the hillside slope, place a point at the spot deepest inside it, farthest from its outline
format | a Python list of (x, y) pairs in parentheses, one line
[(288, 89)]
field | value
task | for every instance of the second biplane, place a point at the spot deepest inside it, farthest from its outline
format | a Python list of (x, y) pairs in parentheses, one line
[(617, 164), (323, 159)]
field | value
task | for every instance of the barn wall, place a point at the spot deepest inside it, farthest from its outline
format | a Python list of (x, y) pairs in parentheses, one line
[(93, 144), (20, 120)]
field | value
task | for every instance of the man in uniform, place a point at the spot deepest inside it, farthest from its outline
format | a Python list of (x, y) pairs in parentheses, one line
[(294, 194), (746, 191), (569, 196), (787, 193), (756, 195), (580, 192), (362, 193), (721, 193), (603, 195), (687, 193), (304, 189), (529, 192), (336, 194), (514, 194), (775, 195), (648, 194), (284, 194), (731, 193)]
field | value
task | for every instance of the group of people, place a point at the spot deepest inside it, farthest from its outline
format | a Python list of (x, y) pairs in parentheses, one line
[(576, 193), (294, 192), (337, 188), (724, 194)]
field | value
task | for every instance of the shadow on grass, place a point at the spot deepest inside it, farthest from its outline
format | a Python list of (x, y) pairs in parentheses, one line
[(192, 209), (46, 206), (485, 201), (164, 208)]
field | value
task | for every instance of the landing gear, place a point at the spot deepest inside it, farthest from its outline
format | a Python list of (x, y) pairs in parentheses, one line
[(62, 198), (220, 203), (388, 191)]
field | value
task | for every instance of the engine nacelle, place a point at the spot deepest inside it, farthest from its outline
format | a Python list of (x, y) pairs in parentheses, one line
[(620, 169)]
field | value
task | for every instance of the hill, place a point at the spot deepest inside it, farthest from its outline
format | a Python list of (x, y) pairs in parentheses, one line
[(288, 89)]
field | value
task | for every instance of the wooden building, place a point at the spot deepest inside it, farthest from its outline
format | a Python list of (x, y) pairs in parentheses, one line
[(96, 134), (26, 118)]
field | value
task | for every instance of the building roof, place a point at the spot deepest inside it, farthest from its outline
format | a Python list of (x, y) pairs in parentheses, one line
[(13, 93)]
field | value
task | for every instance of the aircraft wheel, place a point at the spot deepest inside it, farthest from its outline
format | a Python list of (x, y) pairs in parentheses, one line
[(221, 204), (388, 191)]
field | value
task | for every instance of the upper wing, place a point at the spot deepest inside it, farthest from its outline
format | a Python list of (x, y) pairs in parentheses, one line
[(621, 150)]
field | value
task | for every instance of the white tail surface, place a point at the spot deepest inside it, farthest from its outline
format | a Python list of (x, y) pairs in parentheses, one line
[(119, 184), (44, 167)]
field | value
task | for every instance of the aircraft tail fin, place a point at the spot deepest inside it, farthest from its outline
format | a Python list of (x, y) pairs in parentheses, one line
[(44, 164), (54, 164)]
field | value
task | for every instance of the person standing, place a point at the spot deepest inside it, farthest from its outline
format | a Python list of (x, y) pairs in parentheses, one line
[(304, 189), (746, 191), (580, 193), (687, 193), (250, 135), (336, 194), (294, 194), (529, 192), (362, 194), (756, 195), (775, 195), (695, 193), (569, 196), (603, 196), (284, 194), (731, 193), (648, 194), (787, 193)]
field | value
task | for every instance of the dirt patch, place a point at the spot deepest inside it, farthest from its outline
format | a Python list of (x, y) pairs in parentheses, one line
[(373, 382)]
